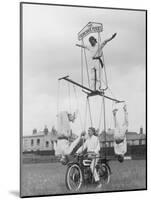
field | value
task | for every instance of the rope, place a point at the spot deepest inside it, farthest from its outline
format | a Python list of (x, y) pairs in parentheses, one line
[(111, 114), (89, 111), (78, 106), (100, 68), (86, 65), (69, 97), (81, 66), (109, 90), (105, 72), (100, 116), (112, 93), (58, 97), (85, 115), (104, 123)]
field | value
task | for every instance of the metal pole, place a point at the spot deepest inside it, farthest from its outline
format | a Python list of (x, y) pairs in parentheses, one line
[(89, 111), (100, 68), (104, 121)]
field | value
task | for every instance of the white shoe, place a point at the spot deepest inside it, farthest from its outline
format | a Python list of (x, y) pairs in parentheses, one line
[(99, 185)]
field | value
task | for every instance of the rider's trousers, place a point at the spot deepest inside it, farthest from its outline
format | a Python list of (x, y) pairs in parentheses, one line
[(93, 169)]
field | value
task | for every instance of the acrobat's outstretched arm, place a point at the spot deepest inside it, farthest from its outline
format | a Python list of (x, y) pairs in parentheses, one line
[(103, 44), (82, 46), (107, 40)]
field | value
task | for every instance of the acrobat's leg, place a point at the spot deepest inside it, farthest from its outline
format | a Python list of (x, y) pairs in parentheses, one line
[(116, 124), (101, 62), (125, 122)]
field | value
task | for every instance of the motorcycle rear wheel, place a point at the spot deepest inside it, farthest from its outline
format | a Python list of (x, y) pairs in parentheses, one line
[(105, 173)]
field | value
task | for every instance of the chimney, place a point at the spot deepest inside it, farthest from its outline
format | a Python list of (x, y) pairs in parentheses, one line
[(141, 130), (34, 131), (46, 130)]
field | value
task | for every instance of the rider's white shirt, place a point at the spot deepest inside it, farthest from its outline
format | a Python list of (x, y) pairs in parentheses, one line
[(91, 144)]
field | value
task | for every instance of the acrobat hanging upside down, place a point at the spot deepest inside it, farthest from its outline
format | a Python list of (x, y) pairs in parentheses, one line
[(120, 144)]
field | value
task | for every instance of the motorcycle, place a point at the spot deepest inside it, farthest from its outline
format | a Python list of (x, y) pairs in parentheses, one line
[(79, 173)]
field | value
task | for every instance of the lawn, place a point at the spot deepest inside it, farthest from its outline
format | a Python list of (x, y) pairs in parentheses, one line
[(49, 178)]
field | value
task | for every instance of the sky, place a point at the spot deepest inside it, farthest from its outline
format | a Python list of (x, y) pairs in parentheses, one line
[(49, 52)]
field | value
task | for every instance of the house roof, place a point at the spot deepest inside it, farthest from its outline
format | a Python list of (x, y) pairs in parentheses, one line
[(135, 136), (52, 134), (129, 136)]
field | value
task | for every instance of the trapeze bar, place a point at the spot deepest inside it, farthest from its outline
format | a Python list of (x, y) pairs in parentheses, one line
[(117, 101), (91, 92), (75, 83), (63, 77), (101, 93)]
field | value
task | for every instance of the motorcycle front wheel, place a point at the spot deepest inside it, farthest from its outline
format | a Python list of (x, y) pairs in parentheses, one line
[(74, 178)]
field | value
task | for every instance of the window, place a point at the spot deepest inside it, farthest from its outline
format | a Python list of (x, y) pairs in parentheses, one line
[(32, 142), (129, 142), (47, 144), (142, 141), (112, 144), (38, 142)]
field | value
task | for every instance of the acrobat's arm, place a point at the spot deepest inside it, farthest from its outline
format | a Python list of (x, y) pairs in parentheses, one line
[(82, 148), (107, 40), (99, 51), (82, 46), (125, 116)]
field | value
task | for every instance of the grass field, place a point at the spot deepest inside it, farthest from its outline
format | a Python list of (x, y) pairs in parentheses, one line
[(49, 178)]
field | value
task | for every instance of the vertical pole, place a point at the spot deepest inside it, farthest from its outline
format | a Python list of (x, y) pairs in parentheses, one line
[(85, 116), (95, 78), (81, 65), (104, 122), (86, 65), (69, 97), (106, 81), (58, 97), (99, 66), (89, 111)]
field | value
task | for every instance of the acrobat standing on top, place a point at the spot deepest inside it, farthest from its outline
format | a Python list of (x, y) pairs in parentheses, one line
[(120, 144), (96, 49)]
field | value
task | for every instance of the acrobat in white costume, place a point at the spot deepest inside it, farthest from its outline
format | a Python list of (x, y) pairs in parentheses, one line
[(120, 143), (63, 146)]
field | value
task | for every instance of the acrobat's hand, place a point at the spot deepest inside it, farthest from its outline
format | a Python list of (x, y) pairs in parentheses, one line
[(113, 36)]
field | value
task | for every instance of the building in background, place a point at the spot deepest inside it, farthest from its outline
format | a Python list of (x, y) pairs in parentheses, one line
[(40, 141), (44, 140)]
